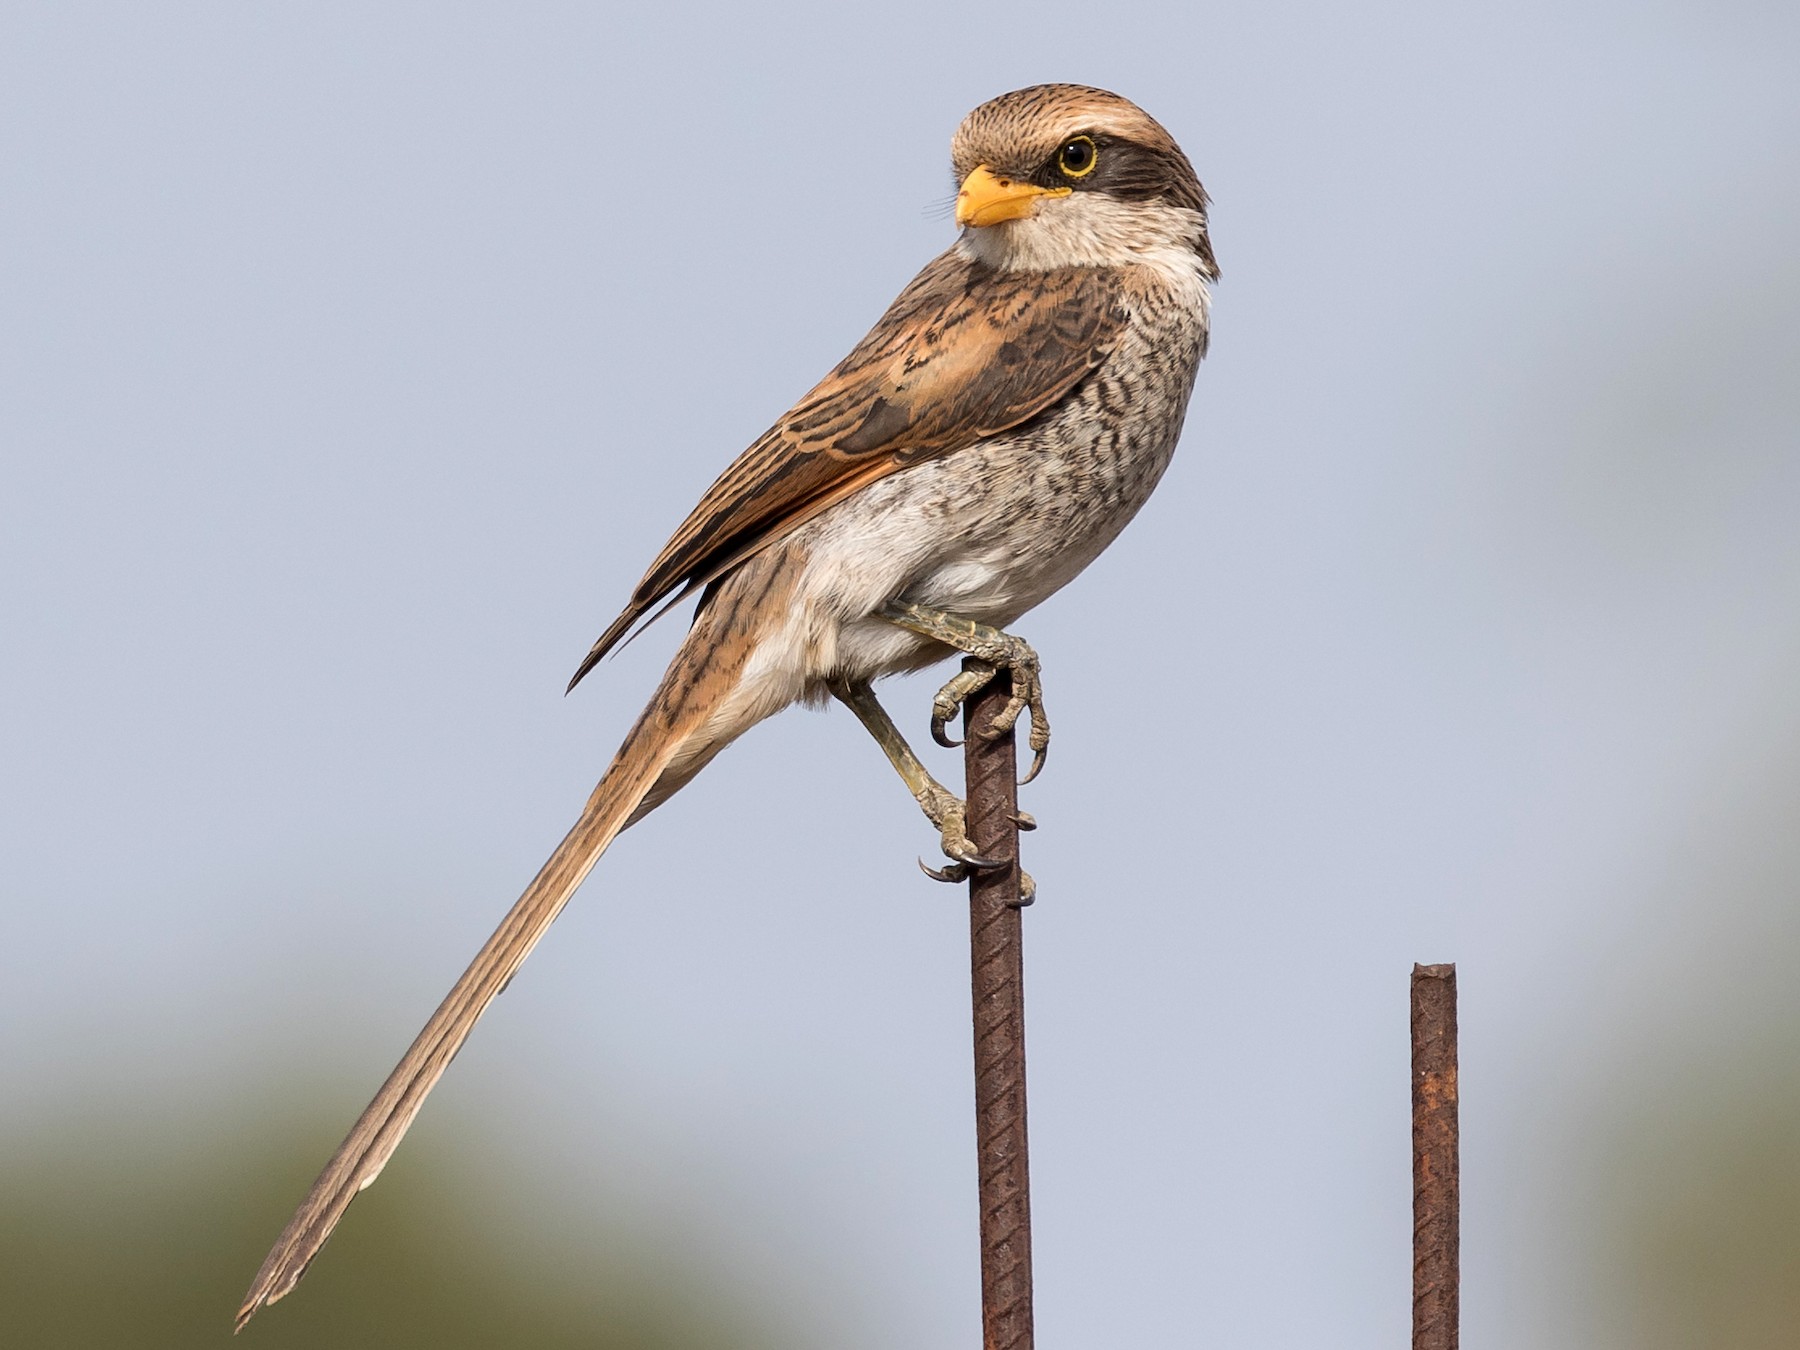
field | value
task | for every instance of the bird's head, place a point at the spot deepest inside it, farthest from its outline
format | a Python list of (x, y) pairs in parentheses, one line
[(1062, 175)]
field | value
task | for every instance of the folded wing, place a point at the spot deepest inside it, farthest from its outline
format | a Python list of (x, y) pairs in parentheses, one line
[(963, 353)]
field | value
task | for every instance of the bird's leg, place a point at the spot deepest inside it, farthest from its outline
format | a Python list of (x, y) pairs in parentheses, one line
[(991, 650), (943, 808)]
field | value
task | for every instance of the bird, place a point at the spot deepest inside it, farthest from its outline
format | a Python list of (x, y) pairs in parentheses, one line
[(992, 434)]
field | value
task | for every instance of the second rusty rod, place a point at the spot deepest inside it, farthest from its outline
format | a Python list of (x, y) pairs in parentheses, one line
[(1437, 1192)]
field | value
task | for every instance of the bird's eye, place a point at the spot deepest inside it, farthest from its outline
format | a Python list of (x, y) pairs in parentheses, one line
[(1077, 157)]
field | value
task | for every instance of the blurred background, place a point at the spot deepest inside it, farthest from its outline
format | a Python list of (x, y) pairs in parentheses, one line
[(358, 357)]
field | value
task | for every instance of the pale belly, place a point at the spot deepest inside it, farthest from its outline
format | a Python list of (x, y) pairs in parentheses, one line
[(988, 532)]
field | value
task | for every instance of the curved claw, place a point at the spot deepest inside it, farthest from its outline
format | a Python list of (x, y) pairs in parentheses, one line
[(1037, 767), (1025, 820), (950, 872), (980, 862), (975, 674), (959, 868)]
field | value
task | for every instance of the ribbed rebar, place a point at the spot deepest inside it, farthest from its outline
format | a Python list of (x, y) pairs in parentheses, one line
[(1436, 1188), (996, 958)]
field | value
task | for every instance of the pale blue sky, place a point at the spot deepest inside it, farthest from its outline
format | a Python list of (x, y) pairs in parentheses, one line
[(357, 358)]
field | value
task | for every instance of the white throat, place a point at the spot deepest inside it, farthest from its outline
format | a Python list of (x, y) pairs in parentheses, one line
[(1089, 229)]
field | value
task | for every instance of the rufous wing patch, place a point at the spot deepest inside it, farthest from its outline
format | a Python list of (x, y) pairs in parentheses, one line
[(964, 352)]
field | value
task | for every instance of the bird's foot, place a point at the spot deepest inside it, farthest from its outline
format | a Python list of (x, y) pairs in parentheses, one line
[(1021, 663), (948, 812), (957, 872), (989, 651)]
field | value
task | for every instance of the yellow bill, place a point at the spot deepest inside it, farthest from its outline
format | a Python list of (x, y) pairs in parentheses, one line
[(987, 199)]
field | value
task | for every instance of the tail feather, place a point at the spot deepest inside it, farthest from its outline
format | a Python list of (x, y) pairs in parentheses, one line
[(687, 722)]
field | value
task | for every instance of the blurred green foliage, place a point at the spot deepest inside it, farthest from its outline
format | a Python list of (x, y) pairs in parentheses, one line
[(115, 1233), (1706, 1202), (1690, 1141)]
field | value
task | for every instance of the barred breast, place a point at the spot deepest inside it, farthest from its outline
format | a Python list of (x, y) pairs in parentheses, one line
[(990, 531)]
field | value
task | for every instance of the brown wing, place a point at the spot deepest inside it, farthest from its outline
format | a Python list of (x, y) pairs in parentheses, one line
[(964, 352)]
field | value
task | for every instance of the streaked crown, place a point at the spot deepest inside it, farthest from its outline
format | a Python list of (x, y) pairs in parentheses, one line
[(1020, 134)]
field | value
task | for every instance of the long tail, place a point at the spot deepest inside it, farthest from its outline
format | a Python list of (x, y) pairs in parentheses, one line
[(707, 698)]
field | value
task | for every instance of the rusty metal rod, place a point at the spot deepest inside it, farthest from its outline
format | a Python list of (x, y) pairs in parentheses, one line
[(1436, 1186), (997, 964)]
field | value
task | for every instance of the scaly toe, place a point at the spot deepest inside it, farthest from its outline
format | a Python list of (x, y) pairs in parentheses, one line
[(958, 847), (1007, 718)]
